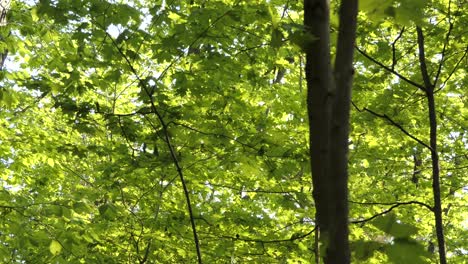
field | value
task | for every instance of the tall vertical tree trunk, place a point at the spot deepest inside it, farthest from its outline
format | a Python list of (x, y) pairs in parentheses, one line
[(429, 89), (328, 100), (319, 87)]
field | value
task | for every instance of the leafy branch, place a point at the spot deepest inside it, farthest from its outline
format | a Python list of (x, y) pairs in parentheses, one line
[(417, 85), (167, 138), (465, 53)]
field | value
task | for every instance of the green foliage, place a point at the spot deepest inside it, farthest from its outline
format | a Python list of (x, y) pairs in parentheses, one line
[(391, 226), (87, 175), (407, 250), (403, 11)]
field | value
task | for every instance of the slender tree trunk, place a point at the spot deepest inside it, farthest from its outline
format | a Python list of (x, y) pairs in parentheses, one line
[(436, 178), (429, 89), (328, 101)]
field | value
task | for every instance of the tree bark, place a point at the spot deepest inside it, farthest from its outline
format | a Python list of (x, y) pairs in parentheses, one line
[(319, 87), (339, 245), (328, 101)]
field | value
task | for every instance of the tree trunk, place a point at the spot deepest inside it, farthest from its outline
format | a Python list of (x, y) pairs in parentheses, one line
[(328, 101), (429, 89)]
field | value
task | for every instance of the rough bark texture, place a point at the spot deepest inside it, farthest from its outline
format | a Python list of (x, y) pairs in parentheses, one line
[(328, 100)]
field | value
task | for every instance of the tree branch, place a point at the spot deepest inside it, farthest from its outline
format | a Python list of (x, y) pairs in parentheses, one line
[(444, 49), (175, 160), (384, 116), (394, 60), (422, 61), (454, 68), (417, 85), (395, 205), (293, 237)]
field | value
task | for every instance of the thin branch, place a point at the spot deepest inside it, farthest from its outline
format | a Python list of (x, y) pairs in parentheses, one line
[(433, 143), (394, 61), (454, 68), (455, 169), (293, 237), (384, 116), (4, 8), (285, 9), (444, 49), (422, 61), (77, 174), (395, 205), (167, 139), (417, 85), (145, 257), (253, 191)]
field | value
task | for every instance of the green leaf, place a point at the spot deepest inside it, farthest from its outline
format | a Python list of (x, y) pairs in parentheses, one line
[(55, 247), (409, 11), (276, 38), (273, 15)]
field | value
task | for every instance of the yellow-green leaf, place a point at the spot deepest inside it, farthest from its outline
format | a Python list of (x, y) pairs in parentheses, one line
[(55, 248)]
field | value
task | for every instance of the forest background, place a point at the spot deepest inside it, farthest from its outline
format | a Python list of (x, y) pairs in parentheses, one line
[(177, 132)]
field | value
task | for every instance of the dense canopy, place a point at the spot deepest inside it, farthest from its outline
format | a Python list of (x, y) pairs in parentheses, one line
[(176, 131)]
